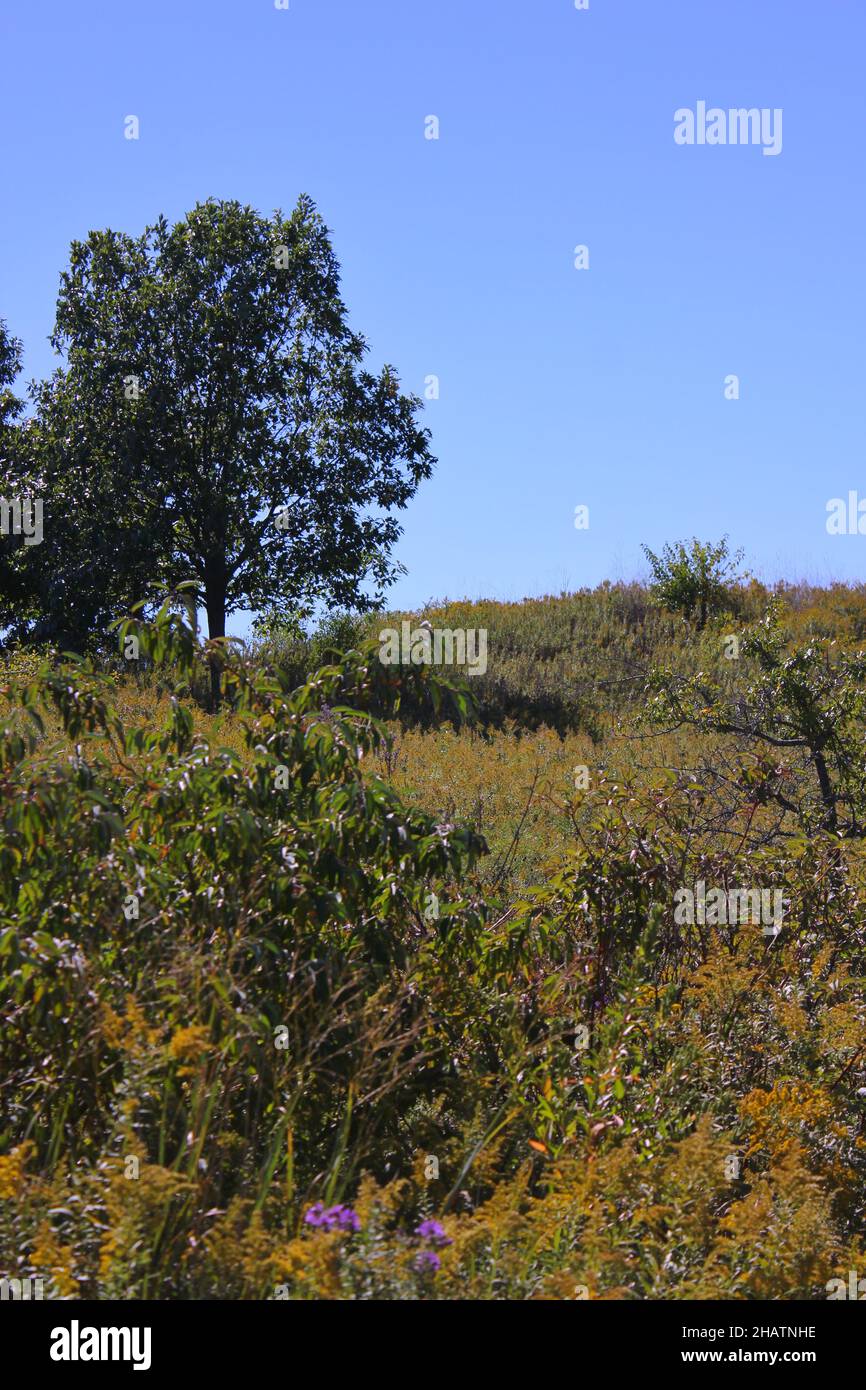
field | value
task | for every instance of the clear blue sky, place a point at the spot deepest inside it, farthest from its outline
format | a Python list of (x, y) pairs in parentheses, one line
[(558, 386)]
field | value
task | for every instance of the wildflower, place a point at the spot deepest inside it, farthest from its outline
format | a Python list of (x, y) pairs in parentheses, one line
[(12, 1169), (433, 1231), (190, 1045), (345, 1218), (426, 1261), (333, 1218)]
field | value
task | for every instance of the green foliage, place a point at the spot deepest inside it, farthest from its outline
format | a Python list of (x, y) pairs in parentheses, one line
[(215, 422), (283, 641), (619, 1104), (10, 366), (203, 901), (694, 580), (807, 697)]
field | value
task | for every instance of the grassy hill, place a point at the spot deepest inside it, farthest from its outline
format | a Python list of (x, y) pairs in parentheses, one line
[(342, 993)]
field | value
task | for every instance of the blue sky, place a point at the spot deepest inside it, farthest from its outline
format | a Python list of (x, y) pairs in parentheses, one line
[(558, 387)]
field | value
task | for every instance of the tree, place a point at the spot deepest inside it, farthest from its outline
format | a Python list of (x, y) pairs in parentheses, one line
[(13, 437), (101, 547), (807, 698), (10, 366), (693, 579), (216, 410)]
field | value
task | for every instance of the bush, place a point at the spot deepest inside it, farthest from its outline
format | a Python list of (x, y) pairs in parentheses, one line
[(695, 580)]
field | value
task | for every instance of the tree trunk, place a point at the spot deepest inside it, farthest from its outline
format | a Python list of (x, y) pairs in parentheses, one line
[(215, 603), (827, 794)]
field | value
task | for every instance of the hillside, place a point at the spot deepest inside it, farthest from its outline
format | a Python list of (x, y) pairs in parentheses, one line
[(352, 990)]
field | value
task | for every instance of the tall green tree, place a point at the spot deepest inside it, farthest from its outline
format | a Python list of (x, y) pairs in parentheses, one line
[(13, 438), (10, 366), (102, 548), (216, 417)]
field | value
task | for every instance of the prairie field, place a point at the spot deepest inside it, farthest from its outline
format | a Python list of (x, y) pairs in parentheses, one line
[(383, 984)]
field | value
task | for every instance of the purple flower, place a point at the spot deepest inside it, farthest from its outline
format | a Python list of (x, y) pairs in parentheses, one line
[(335, 1218), (339, 1218), (345, 1218), (316, 1215), (428, 1260), (433, 1231)]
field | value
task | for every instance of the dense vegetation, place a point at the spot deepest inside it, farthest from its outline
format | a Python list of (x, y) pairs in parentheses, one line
[(214, 425), (353, 990)]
